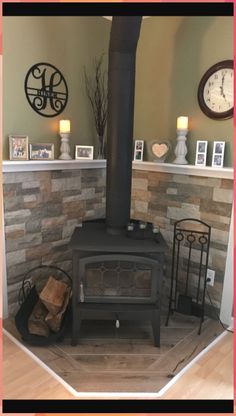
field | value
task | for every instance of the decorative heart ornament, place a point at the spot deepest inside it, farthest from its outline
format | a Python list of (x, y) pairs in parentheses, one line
[(160, 150)]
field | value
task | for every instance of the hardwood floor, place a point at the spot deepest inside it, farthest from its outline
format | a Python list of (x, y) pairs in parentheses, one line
[(210, 377), (35, 383), (124, 360)]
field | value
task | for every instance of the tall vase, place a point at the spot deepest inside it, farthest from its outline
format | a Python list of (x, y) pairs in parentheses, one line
[(101, 147)]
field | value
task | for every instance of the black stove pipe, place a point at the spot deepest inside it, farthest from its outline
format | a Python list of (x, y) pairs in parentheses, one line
[(121, 84)]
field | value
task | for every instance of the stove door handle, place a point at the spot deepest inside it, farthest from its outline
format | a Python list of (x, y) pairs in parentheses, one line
[(81, 292)]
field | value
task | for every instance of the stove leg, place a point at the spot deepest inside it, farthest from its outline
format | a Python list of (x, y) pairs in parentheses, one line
[(74, 341), (156, 327), (75, 331)]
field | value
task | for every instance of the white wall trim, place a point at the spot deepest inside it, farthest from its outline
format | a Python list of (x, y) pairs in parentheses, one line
[(226, 309), (40, 165)]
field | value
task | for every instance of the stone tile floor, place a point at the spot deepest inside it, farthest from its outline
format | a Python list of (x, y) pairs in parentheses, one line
[(108, 359)]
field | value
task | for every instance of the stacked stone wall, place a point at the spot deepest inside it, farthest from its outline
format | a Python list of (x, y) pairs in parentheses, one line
[(164, 198), (41, 210)]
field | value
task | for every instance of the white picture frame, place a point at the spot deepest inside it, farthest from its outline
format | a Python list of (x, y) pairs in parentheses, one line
[(201, 152), (18, 147), (41, 151), (218, 154), (138, 150), (84, 152)]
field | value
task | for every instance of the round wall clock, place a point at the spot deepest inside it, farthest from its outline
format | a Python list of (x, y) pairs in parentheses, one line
[(215, 91)]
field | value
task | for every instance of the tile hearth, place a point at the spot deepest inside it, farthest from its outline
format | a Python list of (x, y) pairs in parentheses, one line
[(108, 359)]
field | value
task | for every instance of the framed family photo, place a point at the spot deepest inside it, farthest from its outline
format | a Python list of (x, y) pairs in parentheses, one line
[(84, 152), (18, 147), (41, 151), (218, 154), (138, 150), (201, 153)]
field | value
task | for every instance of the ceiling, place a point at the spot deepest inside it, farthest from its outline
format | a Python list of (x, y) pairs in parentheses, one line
[(110, 17)]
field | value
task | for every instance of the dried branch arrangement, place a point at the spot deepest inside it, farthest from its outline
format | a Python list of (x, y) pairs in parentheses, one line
[(96, 89)]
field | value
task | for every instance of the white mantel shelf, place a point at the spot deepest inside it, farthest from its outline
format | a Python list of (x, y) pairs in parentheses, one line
[(39, 165), (208, 171)]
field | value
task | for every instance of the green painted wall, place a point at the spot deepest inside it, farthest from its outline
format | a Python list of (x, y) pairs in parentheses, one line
[(173, 53), (69, 43)]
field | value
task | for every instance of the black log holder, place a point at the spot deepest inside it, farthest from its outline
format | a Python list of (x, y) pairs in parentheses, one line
[(28, 297)]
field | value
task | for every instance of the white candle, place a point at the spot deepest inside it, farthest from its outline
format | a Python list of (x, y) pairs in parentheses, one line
[(64, 126), (182, 122)]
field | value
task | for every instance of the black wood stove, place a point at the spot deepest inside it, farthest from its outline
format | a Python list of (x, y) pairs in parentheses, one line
[(116, 277), (117, 270)]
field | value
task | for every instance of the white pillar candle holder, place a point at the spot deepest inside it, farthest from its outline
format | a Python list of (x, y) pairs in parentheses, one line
[(64, 133), (65, 147), (181, 148)]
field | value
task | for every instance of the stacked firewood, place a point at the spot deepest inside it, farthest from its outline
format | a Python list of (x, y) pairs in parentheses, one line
[(49, 310)]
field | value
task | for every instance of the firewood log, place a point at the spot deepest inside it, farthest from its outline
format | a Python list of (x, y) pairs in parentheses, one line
[(54, 321), (36, 321), (53, 295)]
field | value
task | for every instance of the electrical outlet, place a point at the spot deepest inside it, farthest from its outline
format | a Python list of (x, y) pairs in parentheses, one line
[(211, 276)]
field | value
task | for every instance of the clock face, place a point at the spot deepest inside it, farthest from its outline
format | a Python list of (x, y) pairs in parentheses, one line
[(215, 93), (218, 91)]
